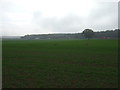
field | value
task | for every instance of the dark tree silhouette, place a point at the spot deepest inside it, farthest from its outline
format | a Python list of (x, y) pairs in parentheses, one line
[(88, 33)]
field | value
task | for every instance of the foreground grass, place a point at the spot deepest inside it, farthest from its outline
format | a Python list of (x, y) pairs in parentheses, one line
[(61, 64)]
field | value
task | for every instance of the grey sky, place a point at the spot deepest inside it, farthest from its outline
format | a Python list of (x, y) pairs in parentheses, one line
[(21, 17)]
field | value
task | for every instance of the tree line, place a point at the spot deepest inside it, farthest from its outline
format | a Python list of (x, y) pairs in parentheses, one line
[(86, 34), (108, 34)]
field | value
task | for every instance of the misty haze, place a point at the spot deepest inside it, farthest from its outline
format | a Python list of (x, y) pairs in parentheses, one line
[(59, 43)]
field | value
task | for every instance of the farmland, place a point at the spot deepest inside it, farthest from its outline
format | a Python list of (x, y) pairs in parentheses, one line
[(60, 63)]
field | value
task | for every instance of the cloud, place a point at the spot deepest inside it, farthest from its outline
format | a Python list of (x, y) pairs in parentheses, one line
[(103, 17), (119, 15), (20, 17)]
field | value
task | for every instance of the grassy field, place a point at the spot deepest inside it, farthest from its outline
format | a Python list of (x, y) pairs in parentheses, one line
[(60, 64)]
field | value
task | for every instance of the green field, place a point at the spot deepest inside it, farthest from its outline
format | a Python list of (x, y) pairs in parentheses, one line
[(60, 63)]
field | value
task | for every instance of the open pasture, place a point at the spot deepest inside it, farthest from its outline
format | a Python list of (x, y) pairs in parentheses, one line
[(60, 63)]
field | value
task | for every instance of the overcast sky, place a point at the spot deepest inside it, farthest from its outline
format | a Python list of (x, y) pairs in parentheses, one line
[(21, 17)]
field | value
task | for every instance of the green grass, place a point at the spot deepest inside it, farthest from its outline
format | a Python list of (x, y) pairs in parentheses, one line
[(60, 64)]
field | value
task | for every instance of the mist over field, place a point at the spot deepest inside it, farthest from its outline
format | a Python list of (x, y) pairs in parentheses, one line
[(59, 43)]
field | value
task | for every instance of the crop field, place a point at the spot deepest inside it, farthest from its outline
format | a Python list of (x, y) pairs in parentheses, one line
[(60, 64)]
